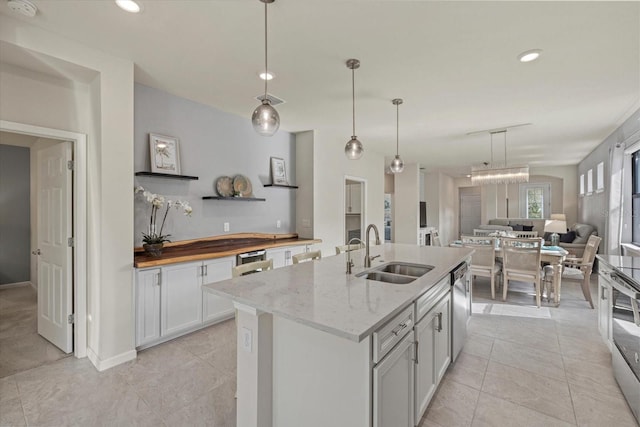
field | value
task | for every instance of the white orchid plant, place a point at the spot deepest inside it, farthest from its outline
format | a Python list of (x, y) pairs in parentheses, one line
[(157, 202)]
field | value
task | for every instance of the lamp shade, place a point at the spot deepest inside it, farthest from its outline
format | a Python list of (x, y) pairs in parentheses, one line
[(555, 226), (562, 217)]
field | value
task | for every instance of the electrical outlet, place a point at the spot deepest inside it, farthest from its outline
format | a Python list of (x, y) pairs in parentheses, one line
[(226, 226), (278, 224), (247, 339)]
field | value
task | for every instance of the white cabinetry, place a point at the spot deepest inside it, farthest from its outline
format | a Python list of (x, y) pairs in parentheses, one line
[(148, 283), (282, 256), (216, 308), (604, 304), (433, 340), (353, 198), (393, 387), (181, 297), (170, 300)]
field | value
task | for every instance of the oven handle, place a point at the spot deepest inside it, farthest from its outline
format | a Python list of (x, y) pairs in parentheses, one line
[(633, 295)]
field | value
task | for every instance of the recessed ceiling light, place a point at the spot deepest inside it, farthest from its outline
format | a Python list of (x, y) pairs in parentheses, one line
[(267, 76), (468, 176), (530, 55), (129, 5)]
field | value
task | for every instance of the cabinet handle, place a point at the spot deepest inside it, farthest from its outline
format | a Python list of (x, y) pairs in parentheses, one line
[(159, 279), (401, 326), (603, 294), (416, 351), (439, 328), (206, 270)]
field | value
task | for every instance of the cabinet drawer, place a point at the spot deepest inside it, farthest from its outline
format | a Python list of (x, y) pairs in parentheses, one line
[(385, 338), (431, 297)]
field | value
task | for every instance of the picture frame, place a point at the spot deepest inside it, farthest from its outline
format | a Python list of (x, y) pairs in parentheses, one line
[(278, 171), (164, 154)]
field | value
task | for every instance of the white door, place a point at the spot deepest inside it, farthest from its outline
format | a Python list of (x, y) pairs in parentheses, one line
[(180, 297), (426, 381), (214, 307), (148, 285), (470, 212), (393, 387), (55, 275)]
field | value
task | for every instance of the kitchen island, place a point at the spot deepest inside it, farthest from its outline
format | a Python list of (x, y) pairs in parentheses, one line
[(310, 336)]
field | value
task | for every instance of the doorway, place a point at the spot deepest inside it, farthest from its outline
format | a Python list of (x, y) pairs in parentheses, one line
[(354, 207), (470, 213), (71, 242)]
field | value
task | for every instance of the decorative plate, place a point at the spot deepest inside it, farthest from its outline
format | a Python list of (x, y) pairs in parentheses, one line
[(242, 185), (224, 186)]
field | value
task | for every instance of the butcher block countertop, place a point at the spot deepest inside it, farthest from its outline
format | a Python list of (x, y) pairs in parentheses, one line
[(217, 247)]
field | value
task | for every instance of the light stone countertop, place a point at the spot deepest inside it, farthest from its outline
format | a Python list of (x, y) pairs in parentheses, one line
[(321, 295)]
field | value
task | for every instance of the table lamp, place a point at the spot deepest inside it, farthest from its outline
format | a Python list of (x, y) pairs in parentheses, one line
[(555, 226)]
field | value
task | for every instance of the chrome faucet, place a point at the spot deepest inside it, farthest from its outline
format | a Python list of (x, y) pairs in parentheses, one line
[(349, 260), (367, 258)]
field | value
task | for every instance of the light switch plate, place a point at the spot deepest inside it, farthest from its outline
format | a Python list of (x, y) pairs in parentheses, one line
[(226, 226), (278, 224), (247, 339)]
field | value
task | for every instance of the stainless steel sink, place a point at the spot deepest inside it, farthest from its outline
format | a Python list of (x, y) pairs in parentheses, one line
[(397, 273), (396, 279), (406, 269)]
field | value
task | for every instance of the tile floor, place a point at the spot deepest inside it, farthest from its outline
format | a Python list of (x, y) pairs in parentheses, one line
[(521, 366)]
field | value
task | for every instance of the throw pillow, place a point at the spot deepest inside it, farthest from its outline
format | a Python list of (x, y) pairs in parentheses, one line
[(527, 228), (517, 227), (568, 237)]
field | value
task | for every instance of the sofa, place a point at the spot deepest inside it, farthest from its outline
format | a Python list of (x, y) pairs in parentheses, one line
[(578, 233)]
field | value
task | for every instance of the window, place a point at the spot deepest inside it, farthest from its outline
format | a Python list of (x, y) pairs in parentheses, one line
[(635, 197), (600, 177), (535, 200), (590, 181), (582, 185)]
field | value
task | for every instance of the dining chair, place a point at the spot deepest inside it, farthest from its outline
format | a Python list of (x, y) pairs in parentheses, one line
[(251, 267), (347, 248), (521, 261), (483, 260), (578, 269), (307, 256)]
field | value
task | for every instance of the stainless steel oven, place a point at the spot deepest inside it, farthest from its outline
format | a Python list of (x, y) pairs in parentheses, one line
[(248, 257), (625, 317)]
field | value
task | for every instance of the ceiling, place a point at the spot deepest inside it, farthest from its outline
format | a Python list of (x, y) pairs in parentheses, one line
[(454, 64)]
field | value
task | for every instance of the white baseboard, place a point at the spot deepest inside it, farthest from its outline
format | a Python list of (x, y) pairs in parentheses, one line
[(103, 365), (15, 285)]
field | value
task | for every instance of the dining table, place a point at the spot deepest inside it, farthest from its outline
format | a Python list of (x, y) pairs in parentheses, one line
[(551, 255)]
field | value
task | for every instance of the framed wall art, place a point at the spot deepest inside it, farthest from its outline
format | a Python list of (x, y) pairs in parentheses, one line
[(278, 172), (164, 154)]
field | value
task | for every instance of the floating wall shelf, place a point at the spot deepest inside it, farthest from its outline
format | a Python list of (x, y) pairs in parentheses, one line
[(280, 185), (235, 199), (166, 175)]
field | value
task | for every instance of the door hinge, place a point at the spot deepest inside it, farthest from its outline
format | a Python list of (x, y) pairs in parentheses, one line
[(71, 242), (71, 165), (71, 319)]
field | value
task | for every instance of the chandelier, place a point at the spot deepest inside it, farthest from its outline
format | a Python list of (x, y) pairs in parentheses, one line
[(491, 173)]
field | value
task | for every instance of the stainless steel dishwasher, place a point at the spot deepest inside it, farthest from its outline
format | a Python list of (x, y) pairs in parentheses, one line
[(461, 303)]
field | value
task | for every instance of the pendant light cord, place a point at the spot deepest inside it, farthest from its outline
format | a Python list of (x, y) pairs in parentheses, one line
[(505, 148), (266, 70), (397, 128), (353, 99), (492, 149)]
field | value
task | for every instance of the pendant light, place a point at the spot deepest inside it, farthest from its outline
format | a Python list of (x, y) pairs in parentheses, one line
[(397, 165), (353, 150), (265, 119)]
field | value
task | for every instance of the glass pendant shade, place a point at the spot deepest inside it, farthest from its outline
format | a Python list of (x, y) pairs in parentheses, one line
[(354, 149), (265, 119), (397, 165)]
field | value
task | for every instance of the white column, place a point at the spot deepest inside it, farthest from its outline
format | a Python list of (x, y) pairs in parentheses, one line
[(255, 374)]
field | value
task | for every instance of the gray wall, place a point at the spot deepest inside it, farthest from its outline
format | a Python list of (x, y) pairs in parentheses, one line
[(212, 143), (15, 233)]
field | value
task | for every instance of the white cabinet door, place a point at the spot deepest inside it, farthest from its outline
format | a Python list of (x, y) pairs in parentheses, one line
[(393, 387), (433, 337), (148, 283), (604, 306), (181, 297), (282, 256), (442, 347), (215, 307)]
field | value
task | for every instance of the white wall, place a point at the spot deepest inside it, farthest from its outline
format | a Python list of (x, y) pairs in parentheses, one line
[(330, 168), (406, 220), (107, 119)]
